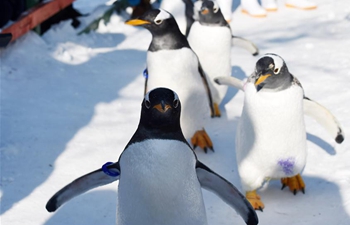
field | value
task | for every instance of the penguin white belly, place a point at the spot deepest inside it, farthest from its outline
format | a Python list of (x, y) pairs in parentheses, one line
[(178, 70), (159, 185), (212, 44), (271, 136)]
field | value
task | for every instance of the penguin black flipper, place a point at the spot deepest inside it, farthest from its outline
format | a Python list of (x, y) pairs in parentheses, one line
[(246, 44), (189, 13), (325, 118), (81, 185), (213, 182), (206, 86)]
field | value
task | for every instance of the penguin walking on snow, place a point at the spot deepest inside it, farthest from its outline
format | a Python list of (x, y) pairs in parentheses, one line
[(172, 63), (210, 36), (160, 177), (311, 108), (271, 136)]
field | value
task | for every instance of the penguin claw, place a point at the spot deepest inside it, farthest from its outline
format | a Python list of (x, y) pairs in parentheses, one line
[(201, 139), (295, 184), (283, 186)]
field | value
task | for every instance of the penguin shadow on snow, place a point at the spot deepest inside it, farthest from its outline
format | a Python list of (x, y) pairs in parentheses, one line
[(321, 143), (237, 72), (235, 5), (82, 210), (321, 204), (53, 110)]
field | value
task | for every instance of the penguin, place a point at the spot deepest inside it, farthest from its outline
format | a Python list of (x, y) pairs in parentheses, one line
[(211, 38), (173, 64), (271, 136), (311, 108), (160, 177)]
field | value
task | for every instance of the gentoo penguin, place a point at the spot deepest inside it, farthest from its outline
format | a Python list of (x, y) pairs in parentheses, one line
[(211, 39), (271, 136), (172, 63), (311, 108), (160, 177)]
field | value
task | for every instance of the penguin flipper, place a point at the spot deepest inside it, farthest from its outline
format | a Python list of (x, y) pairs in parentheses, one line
[(81, 185), (325, 118), (227, 192), (189, 13), (230, 81), (207, 89), (247, 45)]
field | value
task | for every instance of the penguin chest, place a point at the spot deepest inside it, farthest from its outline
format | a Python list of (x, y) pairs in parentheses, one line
[(159, 185), (271, 133), (212, 44), (178, 70)]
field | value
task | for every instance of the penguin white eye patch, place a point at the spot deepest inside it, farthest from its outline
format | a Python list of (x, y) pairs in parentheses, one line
[(162, 15), (277, 61), (215, 7)]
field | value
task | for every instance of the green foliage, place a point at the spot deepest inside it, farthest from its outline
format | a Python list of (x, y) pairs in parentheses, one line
[(118, 6)]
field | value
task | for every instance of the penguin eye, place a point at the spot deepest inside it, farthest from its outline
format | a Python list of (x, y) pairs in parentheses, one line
[(158, 22), (176, 103), (215, 9), (147, 104), (276, 70)]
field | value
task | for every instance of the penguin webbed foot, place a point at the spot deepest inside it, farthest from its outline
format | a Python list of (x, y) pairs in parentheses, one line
[(202, 140), (255, 200), (217, 112), (295, 184)]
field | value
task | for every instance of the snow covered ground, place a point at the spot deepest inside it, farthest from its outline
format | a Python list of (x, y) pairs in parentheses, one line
[(71, 103)]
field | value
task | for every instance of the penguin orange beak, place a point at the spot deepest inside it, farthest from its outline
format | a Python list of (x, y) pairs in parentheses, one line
[(262, 78), (137, 22), (205, 11), (162, 107)]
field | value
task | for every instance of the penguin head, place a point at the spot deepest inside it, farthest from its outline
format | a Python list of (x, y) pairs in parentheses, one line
[(209, 13), (271, 72), (157, 21), (161, 109)]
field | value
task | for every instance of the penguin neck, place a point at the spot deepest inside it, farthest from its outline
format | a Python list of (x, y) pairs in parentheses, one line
[(168, 41), (165, 133), (278, 84)]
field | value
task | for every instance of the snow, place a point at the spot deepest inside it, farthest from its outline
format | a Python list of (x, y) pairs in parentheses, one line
[(71, 103)]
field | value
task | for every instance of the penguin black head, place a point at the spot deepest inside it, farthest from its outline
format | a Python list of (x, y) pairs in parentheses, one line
[(271, 72), (161, 109), (209, 13), (164, 29), (157, 21)]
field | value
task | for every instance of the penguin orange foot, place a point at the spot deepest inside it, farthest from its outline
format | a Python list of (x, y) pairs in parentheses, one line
[(202, 139), (295, 184), (254, 200), (217, 112)]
